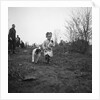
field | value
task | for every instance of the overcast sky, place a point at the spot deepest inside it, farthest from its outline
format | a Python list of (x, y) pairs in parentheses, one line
[(32, 23)]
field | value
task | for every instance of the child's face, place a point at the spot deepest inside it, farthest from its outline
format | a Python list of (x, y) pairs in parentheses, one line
[(49, 37)]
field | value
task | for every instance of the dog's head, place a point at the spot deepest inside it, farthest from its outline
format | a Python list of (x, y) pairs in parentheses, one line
[(38, 50)]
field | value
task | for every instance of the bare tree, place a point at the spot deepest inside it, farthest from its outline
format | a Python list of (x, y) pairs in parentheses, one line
[(71, 31), (56, 35), (80, 25)]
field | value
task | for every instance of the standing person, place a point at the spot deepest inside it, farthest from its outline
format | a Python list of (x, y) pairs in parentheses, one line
[(48, 47), (12, 39), (18, 41), (22, 44)]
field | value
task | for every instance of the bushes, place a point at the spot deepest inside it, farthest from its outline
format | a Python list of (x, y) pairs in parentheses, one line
[(80, 46)]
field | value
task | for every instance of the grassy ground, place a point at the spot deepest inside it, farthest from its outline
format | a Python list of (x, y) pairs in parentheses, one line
[(66, 73)]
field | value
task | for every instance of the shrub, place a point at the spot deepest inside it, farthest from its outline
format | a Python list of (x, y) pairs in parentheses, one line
[(79, 46)]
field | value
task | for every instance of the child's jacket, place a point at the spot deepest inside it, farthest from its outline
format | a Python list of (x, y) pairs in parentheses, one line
[(48, 46)]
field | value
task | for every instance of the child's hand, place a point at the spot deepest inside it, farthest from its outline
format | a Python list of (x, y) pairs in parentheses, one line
[(49, 48), (51, 45)]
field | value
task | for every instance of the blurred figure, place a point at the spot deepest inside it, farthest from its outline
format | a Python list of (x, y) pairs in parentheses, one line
[(22, 44), (12, 39), (18, 41)]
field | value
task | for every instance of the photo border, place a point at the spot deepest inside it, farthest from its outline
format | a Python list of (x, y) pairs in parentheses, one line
[(4, 53)]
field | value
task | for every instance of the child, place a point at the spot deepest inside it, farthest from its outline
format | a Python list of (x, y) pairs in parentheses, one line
[(48, 46)]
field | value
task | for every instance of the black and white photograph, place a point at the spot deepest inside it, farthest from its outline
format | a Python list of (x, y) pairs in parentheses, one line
[(49, 49)]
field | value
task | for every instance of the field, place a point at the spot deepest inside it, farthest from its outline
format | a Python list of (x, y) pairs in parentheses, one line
[(66, 73)]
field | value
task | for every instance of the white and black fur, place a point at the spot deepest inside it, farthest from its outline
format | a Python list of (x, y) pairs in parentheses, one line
[(36, 53)]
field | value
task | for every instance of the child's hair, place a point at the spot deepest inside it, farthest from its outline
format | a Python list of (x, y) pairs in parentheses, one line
[(48, 33)]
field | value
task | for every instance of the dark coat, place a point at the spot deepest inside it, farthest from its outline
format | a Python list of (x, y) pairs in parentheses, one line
[(12, 34)]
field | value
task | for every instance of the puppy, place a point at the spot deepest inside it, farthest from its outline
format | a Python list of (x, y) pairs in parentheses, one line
[(36, 53)]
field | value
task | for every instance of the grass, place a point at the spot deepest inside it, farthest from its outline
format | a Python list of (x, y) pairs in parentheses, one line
[(66, 73)]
